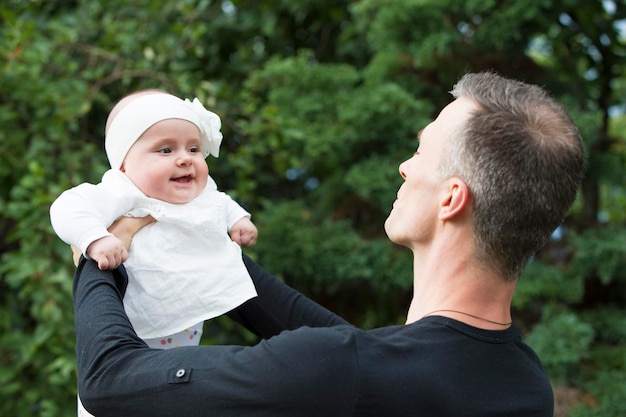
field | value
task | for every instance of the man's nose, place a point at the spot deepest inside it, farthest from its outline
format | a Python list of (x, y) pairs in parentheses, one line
[(401, 169)]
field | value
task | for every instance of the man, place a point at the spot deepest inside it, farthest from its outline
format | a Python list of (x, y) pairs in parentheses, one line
[(494, 174)]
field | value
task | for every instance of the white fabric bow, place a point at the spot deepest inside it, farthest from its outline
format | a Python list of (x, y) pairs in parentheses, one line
[(210, 125)]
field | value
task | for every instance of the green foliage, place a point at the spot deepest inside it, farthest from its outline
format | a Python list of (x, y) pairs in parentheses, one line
[(608, 390), (39, 120), (543, 283), (329, 130), (327, 260), (326, 250), (608, 323), (320, 102), (562, 341), (600, 252)]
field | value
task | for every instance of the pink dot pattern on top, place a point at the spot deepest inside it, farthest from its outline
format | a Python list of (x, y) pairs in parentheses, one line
[(188, 337)]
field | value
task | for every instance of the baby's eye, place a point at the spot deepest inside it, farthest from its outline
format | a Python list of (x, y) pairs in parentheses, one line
[(194, 149), (164, 150)]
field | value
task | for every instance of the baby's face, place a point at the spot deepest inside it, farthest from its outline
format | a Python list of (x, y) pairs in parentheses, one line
[(167, 163)]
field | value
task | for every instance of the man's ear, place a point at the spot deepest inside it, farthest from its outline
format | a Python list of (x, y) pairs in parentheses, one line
[(456, 199)]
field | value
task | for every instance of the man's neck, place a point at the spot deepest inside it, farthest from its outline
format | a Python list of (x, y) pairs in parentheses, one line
[(456, 287)]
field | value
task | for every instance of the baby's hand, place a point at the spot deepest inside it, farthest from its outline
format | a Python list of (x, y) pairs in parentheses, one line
[(244, 233), (109, 252)]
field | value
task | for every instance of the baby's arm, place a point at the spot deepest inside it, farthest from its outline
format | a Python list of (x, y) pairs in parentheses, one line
[(240, 228), (76, 219), (80, 216), (244, 233)]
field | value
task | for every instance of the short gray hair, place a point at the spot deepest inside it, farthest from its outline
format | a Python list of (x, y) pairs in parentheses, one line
[(522, 158)]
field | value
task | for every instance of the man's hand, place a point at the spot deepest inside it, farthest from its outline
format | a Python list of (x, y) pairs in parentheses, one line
[(125, 228), (76, 254), (109, 252), (244, 233)]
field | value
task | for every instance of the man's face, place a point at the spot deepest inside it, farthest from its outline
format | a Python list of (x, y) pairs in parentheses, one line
[(413, 218), (167, 162)]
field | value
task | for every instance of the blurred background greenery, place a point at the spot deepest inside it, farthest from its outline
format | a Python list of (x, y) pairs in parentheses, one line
[(320, 101)]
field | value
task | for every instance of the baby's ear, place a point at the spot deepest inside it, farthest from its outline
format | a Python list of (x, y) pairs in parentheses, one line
[(456, 198)]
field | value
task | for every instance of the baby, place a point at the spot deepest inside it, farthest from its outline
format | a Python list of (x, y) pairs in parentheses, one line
[(185, 267)]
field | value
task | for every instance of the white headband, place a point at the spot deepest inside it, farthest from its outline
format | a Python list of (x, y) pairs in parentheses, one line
[(146, 110)]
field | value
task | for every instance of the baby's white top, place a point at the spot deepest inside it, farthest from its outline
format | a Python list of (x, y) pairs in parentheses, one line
[(183, 268)]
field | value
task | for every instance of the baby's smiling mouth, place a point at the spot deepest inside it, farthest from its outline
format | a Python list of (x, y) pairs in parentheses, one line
[(184, 180)]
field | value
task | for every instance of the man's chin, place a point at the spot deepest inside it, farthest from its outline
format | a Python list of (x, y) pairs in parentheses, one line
[(390, 232)]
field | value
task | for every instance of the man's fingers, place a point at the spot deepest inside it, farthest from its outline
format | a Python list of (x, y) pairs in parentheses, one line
[(76, 253)]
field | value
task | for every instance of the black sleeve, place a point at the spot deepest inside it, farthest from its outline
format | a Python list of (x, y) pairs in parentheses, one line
[(279, 307), (305, 372)]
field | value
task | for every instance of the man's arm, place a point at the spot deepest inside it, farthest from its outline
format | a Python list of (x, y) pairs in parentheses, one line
[(306, 372), (279, 307)]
